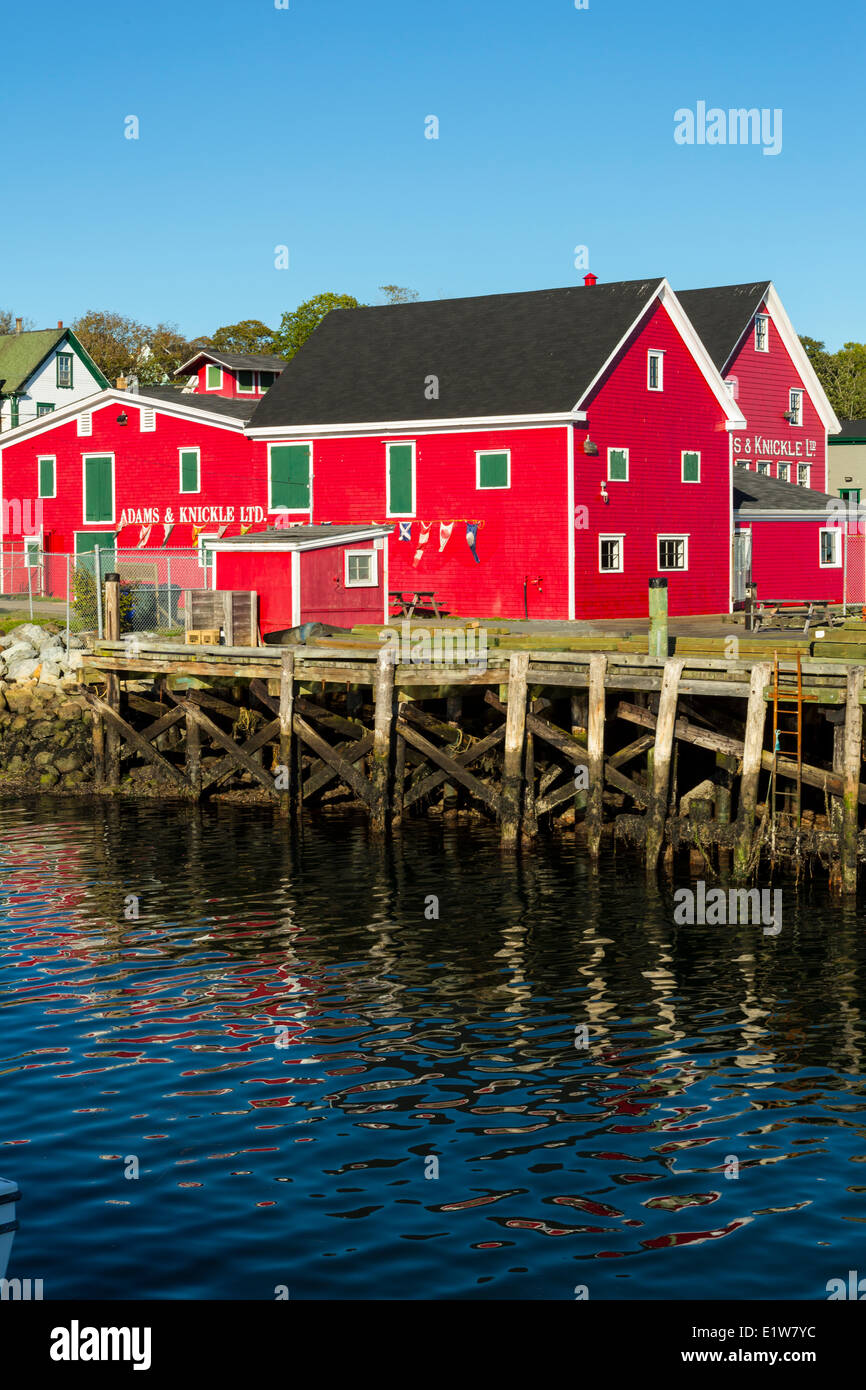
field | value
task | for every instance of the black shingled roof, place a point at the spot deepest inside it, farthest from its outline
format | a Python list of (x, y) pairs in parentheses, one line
[(851, 430), (493, 355), (299, 535), (237, 361), (722, 313), (233, 409), (754, 492)]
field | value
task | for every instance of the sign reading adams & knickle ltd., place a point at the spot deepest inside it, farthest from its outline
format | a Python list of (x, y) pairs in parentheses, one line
[(194, 516)]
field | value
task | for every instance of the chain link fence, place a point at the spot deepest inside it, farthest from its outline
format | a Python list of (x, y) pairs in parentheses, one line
[(152, 584)]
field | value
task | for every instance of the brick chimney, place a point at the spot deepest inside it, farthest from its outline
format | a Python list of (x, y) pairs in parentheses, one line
[(589, 278), (59, 323), (17, 325)]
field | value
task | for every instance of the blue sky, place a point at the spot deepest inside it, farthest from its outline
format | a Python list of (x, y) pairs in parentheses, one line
[(304, 127)]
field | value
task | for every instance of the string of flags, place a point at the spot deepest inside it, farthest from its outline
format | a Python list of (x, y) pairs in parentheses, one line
[(445, 530)]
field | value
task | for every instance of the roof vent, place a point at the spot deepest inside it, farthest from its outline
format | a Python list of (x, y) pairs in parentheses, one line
[(589, 278)]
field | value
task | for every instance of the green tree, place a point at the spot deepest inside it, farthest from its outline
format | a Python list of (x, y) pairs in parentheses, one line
[(166, 349), (250, 335), (296, 325), (842, 375), (398, 294), (116, 343)]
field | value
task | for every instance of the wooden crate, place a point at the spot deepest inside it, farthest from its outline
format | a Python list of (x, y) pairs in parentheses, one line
[(236, 611), (203, 636)]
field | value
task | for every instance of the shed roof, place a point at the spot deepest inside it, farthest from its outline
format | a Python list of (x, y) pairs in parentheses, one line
[(236, 361), (756, 493), (302, 537), (532, 353)]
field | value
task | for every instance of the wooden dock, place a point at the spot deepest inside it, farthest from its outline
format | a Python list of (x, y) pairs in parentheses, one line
[(669, 755)]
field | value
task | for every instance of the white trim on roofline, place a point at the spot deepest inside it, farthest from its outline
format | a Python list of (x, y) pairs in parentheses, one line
[(89, 404), (799, 357), (665, 295), (743, 517), (389, 427)]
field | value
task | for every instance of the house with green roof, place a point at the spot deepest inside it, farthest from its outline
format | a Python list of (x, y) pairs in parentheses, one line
[(43, 369)]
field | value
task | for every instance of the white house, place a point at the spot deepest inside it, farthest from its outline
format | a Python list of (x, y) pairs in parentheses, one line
[(41, 370)]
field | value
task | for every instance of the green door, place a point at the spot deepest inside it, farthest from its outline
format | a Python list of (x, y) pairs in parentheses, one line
[(290, 477), (98, 488), (400, 488), (85, 545)]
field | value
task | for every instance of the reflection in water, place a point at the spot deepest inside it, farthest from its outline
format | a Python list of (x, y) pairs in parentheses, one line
[(283, 1072)]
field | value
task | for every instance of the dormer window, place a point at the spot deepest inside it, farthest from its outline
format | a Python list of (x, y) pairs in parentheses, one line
[(266, 381), (761, 335), (246, 383), (654, 370), (213, 377)]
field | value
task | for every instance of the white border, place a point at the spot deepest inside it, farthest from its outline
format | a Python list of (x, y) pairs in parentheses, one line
[(373, 581), (658, 353), (212, 367), (766, 321), (188, 449), (292, 511), (835, 531), (798, 390), (613, 536), (97, 454), (399, 444), (499, 487), (683, 478), (614, 449), (40, 459), (673, 536)]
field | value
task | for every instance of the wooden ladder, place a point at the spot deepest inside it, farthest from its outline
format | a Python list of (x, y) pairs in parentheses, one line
[(787, 703)]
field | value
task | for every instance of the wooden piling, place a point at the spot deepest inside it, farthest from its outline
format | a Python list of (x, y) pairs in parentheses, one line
[(595, 751), (515, 731), (112, 682), (725, 767), (662, 761), (399, 776), (852, 761), (756, 714), (193, 756), (383, 699), (286, 715)]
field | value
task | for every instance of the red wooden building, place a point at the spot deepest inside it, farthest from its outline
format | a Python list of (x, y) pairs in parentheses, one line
[(566, 445), (794, 539), (245, 375), (329, 574)]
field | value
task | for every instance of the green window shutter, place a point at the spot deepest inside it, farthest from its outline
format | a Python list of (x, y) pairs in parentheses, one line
[(213, 377), (493, 470), (617, 465), (98, 500), (400, 479), (46, 478), (691, 468), (290, 477), (189, 470)]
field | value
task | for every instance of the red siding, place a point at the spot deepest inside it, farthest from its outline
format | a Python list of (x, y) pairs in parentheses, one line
[(324, 596), (765, 379), (655, 426), (786, 563)]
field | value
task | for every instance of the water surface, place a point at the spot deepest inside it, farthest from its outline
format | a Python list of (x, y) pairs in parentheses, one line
[(327, 1089)]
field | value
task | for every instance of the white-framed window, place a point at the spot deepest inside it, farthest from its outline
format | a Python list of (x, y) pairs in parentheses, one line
[(492, 468), (762, 337), (266, 381), (64, 369), (32, 552), (361, 569), (147, 419), (802, 474), (733, 385), (795, 405), (400, 477), (673, 552), (617, 465), (655, 365), (245, 382), (85, 423), (205, 557), (610, 554), (764, 467), (189, 462), (213, 377), (46, 465), (830, 547), (690, 463)]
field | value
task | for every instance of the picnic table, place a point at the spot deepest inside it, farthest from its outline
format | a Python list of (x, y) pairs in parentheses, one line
[(415, 598)]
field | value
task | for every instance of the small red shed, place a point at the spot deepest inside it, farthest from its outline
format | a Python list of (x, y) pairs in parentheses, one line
[(328, 574)]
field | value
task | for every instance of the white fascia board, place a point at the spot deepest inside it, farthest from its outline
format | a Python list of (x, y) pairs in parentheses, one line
[(734, 416), (742, 517), (389, 427), (87, 405), (625, 337), (800, 358)]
